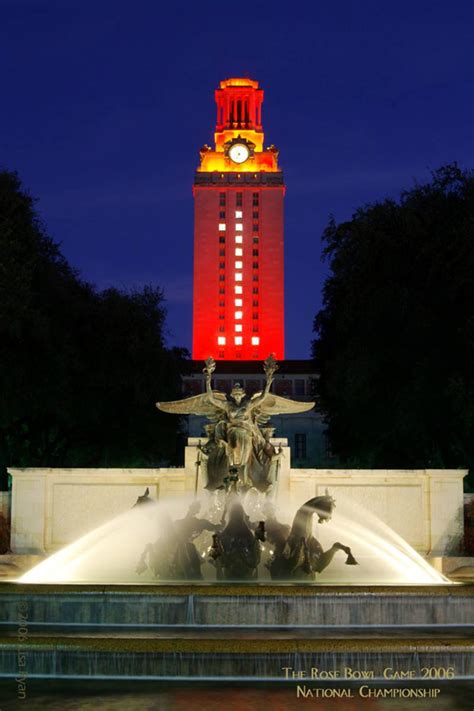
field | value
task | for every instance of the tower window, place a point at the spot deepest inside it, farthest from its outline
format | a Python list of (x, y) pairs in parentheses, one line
[(222, 215), (255, 341), (221, 290), (255, 316), (255, 200), (254, 228), (255, 277), (238, 276), (221, 317), (255, 240), (239, 251), (222, 304), (222, 253), (221, 329), (238, 302), (255, 252), (221, 354), (239, 265), (255, 303), (255, 290), (221, 340), (238, 315), (255, 329), (222, 199), (221, 265), (255, 265), (221, 226), (221, 277), (238, 199), (238, 289), (238, 214), (221, 239), (238, 340), (255, 215), (238, 227), (239, 239), (238, 328)]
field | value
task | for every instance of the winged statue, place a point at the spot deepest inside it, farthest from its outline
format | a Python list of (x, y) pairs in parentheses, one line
[(235, 436)]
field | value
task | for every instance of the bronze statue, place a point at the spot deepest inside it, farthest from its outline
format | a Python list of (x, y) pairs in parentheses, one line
[(297, 554), (237, 420), (174, 556), (236, 550)]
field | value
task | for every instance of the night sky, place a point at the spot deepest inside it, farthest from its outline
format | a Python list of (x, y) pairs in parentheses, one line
[(106, 104)]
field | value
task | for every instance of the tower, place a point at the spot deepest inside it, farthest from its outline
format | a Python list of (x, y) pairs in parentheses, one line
[(238, 234)]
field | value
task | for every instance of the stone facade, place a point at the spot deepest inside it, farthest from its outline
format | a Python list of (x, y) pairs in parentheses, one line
[(53, 507)]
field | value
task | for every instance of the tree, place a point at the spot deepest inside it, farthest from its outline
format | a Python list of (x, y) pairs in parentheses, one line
[(395, 336), (80, 370)]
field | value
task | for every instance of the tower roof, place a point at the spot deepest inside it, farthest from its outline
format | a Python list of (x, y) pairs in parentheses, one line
[(238, 81)]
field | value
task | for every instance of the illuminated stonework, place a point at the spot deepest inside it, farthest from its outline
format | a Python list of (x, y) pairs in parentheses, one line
[(238, 241)]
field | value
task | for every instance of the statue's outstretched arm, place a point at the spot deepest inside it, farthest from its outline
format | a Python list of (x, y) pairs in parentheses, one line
[(209, 368)]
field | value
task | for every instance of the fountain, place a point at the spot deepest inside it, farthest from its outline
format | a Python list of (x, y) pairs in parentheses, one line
[(238, 529), (236, 582)]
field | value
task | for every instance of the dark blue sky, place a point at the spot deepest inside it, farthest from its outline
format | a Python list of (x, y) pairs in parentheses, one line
[(105, 105)]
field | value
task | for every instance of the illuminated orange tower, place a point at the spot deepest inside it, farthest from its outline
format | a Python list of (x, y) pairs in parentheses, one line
[(238, 234)]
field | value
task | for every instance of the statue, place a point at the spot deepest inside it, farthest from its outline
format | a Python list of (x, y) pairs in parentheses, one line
[(250, 459), (174, 556), (297, 554), (236, 550)]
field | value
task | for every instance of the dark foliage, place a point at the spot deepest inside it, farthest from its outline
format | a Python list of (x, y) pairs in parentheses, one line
[(80, 370), (395, 337)]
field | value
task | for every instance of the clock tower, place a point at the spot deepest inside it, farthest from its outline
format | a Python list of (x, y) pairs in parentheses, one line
[(238, 234)]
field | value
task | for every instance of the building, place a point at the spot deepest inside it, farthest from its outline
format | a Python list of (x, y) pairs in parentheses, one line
[(238, 239), (238, 303)]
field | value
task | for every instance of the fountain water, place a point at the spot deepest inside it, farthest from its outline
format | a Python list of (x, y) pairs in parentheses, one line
[(111, 553)]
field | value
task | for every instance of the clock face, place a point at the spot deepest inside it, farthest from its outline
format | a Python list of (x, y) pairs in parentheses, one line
[(239, 153)]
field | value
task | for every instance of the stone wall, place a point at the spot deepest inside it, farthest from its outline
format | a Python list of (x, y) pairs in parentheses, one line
[(53, 507)]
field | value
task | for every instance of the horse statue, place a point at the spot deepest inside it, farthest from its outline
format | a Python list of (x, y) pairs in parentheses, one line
[(174, 556), (236, 550), (297, 554)]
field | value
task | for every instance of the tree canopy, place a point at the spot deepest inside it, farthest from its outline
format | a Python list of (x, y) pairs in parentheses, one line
[(80, 370), (395, 336)]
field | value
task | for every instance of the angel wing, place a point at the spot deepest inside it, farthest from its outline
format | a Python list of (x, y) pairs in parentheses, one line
[(196, 405), (276, 405)]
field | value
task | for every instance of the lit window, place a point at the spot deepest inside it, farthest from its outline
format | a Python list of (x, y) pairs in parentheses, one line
[(238, 289), (238, 265), (222, 227), (239, 252), (238, 340), (238, 328), (238, 227), (238, 213), (238, 239), (238, 315), (238, 276), (238, 302), (221, 340), (255, 341)]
